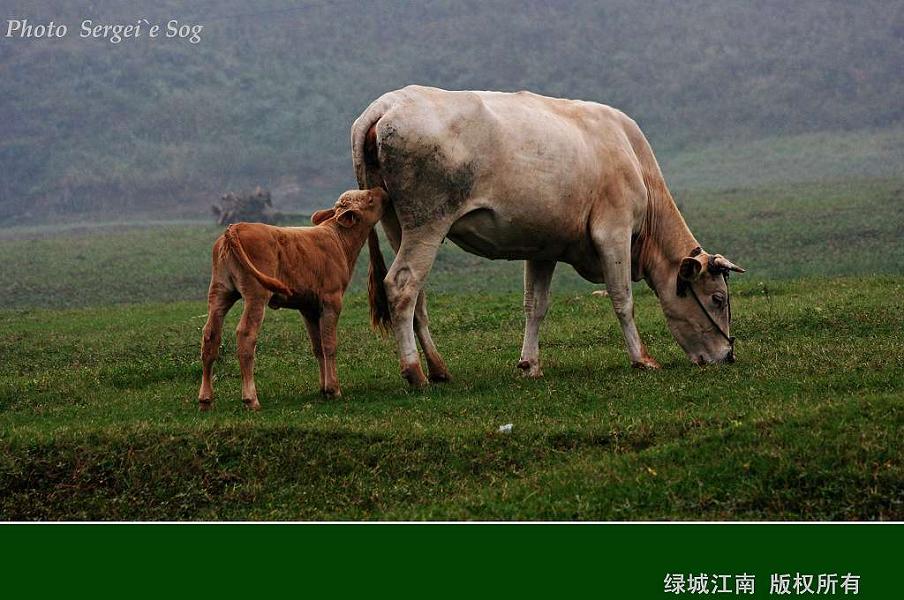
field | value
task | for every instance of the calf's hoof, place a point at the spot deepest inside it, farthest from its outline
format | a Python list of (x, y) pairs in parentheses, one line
[(647, 363), (253, 404), (205, 404), (530, 369), (331, 393), (414, 375)]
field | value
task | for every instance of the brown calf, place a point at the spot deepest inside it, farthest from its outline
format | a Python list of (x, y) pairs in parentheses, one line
[(305, 268)]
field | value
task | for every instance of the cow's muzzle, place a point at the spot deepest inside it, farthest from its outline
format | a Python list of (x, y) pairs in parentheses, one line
[(730, 357)]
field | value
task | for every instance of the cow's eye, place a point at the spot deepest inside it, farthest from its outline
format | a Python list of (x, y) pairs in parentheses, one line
[(719, 299)]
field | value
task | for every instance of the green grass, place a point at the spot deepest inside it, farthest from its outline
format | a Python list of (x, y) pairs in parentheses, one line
[(99, 342), (98, 416), (834, 156)]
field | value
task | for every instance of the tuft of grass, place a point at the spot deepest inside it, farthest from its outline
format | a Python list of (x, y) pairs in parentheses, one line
[(98, 418)]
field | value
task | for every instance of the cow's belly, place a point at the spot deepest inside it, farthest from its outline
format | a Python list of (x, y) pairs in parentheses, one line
[(491, 234), (532, 236)]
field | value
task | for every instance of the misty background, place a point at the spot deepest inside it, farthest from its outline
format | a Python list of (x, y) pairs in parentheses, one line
[(731, 94)]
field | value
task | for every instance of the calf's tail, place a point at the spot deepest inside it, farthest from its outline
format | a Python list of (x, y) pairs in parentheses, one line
[(234, 244)]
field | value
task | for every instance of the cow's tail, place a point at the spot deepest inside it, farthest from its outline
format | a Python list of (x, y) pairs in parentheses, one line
[(234, 245), (364, 143), (367, 171), (380, 315)]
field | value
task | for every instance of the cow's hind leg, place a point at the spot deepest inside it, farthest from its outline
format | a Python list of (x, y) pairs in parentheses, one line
[(404, 283), (219, 301), (537, 277), (246, 342), (436, 366), (614, 246)]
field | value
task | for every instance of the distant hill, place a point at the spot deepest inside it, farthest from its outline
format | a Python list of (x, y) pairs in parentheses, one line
[(160, 128)]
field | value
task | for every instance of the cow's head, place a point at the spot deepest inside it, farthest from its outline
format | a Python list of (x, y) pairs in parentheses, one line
[(354, 207), (699, 311)]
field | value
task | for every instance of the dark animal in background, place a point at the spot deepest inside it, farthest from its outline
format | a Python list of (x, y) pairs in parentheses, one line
[(256, 206)]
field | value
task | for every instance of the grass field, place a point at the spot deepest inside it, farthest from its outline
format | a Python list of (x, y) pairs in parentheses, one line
[(852, 227), (747, 163), (99, 343)]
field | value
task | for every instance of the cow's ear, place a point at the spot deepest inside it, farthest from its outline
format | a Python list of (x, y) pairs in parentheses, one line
[(690, 268), (322, 215), (349, 218)]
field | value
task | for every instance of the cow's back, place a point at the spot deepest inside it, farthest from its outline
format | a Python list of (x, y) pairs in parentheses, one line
[(505, 166)]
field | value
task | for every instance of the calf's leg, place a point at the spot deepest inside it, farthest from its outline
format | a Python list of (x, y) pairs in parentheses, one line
[(246, 342), (329, 320), (312, 324), (537, 277), (219, 301)]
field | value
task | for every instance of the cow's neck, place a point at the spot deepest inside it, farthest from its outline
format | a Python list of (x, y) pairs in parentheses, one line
[(663, 241)]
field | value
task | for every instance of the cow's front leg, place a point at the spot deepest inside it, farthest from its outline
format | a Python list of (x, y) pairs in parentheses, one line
[(246, 342), (615, 249), (537, 277), (403, 283), (329, 320)]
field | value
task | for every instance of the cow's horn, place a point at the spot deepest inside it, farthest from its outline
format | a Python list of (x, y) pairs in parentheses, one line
[(723, 263)]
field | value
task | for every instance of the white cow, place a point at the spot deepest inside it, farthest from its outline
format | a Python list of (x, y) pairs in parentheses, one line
[(520, 176)]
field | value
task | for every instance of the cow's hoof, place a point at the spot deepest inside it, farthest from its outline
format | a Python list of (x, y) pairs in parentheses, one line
[(253, 405), (331, 394), (647, 363), (414, 375), (205, 404), (530, 369), (442, 377)]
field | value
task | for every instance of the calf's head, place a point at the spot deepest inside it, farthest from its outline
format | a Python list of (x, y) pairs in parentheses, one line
[(699, 310), (362, 209), (354, 208)]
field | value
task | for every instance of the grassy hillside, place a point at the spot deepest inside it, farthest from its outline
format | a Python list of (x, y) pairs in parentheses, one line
[(828, 158), (98, 417), (158, 128), (100, 328), (843, 228)]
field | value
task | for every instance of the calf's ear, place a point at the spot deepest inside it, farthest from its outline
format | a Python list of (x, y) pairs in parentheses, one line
[(348, 218), (322, 215)]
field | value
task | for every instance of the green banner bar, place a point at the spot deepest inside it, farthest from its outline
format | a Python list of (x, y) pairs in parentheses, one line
[(599, 561)]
